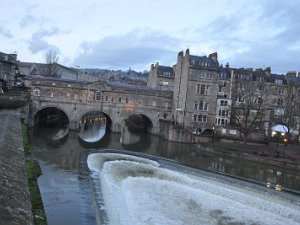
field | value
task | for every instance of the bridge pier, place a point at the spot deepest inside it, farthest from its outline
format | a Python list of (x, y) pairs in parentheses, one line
[(74, 125)]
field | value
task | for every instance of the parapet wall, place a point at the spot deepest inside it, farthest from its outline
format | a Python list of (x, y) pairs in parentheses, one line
[(15, 203)]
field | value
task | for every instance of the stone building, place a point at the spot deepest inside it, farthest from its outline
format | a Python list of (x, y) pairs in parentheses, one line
[(8, 70), (55, 70), (210, 98), (161, 77)]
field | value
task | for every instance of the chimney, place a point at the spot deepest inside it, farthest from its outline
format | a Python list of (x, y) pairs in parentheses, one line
[(267, 71), (180, 53), (187, 52)]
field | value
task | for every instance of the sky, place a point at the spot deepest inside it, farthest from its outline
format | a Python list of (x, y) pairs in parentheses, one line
[(118, 34)]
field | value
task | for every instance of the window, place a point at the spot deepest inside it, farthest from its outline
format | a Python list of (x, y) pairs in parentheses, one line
[(223, 103), (223, 112), (36, 92), (220, 88), (126, 100), (279, 111), (200, 118), (201, 105), (120, 99), (221, 121), (98, 95), (165, 83), (259, 88), (277, 81), (112, 99), (240, 99), (106, 98), (202, 89), (279, 101)]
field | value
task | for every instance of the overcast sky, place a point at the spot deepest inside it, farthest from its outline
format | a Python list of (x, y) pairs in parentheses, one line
[(122, 34)]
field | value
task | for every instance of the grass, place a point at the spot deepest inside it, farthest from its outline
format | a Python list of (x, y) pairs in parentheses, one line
[(33, 172), (25, 140)]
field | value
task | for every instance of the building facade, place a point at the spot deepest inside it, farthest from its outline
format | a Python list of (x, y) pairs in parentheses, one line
[(210, 98), (8, 70)]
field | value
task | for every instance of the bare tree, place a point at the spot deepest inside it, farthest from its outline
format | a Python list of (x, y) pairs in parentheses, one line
[(248, 105), (52, 67)]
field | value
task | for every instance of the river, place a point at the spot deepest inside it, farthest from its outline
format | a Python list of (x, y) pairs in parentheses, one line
[(65, 183)]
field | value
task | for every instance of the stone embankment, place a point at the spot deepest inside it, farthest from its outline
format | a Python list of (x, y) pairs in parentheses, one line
[(15, 203), (249, 155)]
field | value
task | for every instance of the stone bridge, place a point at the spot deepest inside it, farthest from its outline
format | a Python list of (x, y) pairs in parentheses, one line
[(117, 102)]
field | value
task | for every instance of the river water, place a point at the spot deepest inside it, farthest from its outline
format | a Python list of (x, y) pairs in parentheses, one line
[(66, 185)]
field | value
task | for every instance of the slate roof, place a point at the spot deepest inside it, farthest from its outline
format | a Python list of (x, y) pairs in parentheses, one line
[(203, 61), (165, 71)]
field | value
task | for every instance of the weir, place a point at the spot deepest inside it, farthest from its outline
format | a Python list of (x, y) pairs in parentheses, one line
[(139, 190)]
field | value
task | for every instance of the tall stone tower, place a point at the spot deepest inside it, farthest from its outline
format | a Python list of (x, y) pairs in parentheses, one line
[(180, 86)]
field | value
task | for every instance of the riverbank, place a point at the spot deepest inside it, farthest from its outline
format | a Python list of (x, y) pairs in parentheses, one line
[(288, 156), (15, 203)]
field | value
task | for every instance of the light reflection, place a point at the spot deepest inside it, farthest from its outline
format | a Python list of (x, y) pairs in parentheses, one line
[(92, 127), (278, 187)]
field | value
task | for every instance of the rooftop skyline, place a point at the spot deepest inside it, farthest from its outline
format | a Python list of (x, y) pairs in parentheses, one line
[(117, 34)]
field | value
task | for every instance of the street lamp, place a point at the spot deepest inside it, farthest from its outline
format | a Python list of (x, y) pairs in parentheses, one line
[(285, 140)]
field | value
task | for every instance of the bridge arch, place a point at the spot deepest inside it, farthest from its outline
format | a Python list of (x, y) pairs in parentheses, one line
[(95, 114), (50, 114), (138, 122)]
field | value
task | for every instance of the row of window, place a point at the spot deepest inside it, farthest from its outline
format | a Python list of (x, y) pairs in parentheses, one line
[(198, 63), (202, 89), (221, 121), (121, 100), (200, 118), (241, 99), (201, 106)]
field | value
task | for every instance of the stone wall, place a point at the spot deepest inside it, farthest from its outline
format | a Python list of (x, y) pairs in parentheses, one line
[(15, 203)]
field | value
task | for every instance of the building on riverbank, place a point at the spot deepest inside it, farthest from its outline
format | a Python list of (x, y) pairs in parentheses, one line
[(235, 102), (8, 69)]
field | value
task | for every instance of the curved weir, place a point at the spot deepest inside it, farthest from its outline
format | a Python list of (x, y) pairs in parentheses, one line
[(141, 190)]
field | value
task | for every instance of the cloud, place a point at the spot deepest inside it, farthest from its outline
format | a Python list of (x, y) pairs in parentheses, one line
[(259, 35), (136, 49), (37, 42), (6, 33), (27, 21)]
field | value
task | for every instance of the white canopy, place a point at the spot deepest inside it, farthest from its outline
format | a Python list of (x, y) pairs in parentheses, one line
[(280, 128)]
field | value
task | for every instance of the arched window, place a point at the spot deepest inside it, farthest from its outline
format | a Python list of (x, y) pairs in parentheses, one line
[(201, 105)]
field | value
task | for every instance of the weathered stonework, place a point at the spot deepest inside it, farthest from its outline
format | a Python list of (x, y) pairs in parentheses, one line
[(15, 203)]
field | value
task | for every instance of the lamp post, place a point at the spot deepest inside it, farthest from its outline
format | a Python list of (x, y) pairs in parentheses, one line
[(213, 134), (285, 140)]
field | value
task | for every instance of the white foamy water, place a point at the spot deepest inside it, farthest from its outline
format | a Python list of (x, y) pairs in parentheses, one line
[(138, 191)]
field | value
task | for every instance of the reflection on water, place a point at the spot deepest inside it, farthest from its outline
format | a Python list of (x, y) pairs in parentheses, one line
[(67, 158), (92, 127)]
